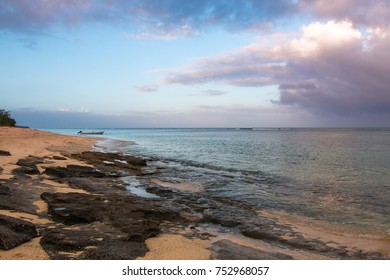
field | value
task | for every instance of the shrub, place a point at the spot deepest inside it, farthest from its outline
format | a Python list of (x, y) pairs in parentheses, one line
[(5, 118)]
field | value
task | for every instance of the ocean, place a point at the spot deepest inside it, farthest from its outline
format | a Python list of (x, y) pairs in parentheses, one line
[(340, 176)]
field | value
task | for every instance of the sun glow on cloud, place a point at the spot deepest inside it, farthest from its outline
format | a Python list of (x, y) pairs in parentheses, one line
[(317, 36), (265, 62), (325, 68)]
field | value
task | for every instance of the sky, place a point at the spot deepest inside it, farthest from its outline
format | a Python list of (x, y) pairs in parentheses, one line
[(195, 63)]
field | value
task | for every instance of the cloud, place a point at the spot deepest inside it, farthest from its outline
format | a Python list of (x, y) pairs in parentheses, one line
[(209, 92), (169, 18), (275, 115), (147, 88), (370, 13), (161, 33), (329, 68), (84, 110), (34, 16), (212, 92), (195, 116), (317, 37), (204, 13)]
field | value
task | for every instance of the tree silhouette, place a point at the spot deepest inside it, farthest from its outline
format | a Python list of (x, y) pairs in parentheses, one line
[(5, 118)]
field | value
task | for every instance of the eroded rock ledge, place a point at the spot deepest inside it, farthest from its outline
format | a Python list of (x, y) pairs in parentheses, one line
[(14, 232)]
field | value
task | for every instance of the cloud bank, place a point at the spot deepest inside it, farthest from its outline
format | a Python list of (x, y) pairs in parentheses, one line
[(163, 16), (329, 67), (183, 17), (196, 116)]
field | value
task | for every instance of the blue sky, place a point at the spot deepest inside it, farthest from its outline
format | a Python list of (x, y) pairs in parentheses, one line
[(113, 63)]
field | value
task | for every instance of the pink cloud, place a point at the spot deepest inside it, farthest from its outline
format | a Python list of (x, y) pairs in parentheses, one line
[(369, 13), (26, 15), (329, 67)]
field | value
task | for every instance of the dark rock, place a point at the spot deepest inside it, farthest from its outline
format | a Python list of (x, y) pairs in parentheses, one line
[(4, 190), (74, 171), (137, 218), (117, 250), (14, 232), (91, 242), (66, 240), (228, 250), (360, 255), (60, 172), (265, 229), (128, 163), (162, 192), (316, 245), (260, 233), (30, 161), (20, 192), (24, 170), (4, 153), (110, 226), (99, 157), (220, 217), (84, 171), (74, 208), (28, 166), (59, 158)]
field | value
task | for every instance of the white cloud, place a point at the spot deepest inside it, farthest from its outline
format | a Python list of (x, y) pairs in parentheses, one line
[(161, 32), (317, 36), (210, 92)]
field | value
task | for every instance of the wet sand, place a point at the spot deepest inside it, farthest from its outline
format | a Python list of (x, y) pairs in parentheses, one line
[(365, 239), (176, 247)]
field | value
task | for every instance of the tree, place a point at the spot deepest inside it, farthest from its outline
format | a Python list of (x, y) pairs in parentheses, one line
[(5, 118)]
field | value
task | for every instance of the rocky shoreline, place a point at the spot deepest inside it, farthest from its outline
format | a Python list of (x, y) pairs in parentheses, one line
[(106, 222), (100, 219)]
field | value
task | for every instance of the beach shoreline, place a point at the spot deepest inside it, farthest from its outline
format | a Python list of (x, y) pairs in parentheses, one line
[(55, 151), (79, 205), (22, 143)]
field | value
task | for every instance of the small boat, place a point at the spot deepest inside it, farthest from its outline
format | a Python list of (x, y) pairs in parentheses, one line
[(90, 132)]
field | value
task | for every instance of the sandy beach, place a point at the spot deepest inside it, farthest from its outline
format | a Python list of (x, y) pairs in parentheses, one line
[(56, 151), (75, 205), (22, 143)]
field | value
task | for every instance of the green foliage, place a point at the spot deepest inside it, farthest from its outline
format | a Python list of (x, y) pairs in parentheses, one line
[(5, 118)]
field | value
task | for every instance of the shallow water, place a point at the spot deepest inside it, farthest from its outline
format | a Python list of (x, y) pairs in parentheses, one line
[(336, 175)]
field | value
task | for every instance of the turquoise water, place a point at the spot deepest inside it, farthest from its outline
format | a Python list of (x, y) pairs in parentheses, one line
[(339, 175)]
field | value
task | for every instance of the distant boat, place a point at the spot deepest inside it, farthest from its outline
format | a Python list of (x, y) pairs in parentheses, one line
[(245, 128), (90, 132)]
